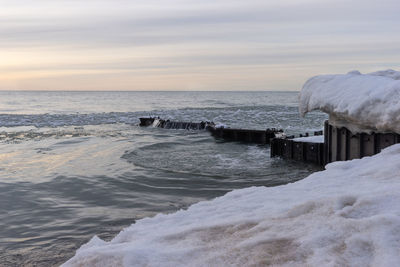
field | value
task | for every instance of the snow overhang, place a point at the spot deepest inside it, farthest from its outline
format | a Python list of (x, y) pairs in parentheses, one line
[(360, 102)]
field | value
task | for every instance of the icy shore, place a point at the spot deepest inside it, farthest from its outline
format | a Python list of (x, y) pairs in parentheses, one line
[(360, 102), (347, 215)]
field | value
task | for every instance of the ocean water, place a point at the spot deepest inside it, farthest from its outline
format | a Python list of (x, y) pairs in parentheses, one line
[(75, 164)]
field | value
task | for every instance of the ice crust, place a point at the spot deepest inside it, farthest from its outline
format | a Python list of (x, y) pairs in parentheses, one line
[(347, 215), (312, 139), (360, 102)]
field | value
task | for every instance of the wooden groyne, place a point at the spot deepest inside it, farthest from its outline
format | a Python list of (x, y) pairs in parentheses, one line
[(338, 144), (167, 124), (288, 148), (342, 144), (246, 135), (228, 134)]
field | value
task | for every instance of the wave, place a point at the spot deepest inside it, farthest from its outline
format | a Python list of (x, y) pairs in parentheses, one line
[(251, 117), (81, 119), (57, 120)]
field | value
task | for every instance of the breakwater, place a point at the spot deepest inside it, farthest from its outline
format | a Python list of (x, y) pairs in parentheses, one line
[(334, 144), (228, 134)]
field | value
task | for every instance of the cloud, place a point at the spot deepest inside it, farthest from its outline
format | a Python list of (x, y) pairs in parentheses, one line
[(176, 36)]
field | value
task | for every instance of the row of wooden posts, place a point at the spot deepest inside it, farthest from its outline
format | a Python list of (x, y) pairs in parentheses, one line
[(245, 135), (342, 144), (339, 143), (229, 134), (167, 124), (288, 148)]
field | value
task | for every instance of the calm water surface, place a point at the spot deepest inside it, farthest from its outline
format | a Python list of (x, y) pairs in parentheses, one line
[(75, 164)]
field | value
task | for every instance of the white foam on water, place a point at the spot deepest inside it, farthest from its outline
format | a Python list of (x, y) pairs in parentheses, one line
[(347, 215)]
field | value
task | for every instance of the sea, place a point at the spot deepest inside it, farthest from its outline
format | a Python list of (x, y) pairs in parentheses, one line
[(77, 164)]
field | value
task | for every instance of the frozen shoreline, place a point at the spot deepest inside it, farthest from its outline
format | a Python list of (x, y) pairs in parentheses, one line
[(346, 215)]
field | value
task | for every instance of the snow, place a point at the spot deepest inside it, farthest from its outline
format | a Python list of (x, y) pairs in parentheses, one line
[(311, 139), (155, 123), (220, 125), (347, 215), (360, 102)]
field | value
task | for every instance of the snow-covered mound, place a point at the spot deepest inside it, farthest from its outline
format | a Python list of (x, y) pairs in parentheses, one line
[(360, 102), (347, 215)]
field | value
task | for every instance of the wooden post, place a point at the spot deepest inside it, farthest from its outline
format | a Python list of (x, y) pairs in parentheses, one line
[(385, 140), (354, 146), (326, 143), (343, 144), (287, 149), (298, 151)]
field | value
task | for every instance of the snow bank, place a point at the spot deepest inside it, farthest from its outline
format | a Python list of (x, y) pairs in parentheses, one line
[(360, 102), (312, 139), (347, 215)]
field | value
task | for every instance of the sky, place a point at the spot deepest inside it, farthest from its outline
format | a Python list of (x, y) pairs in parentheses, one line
[(192, 44)]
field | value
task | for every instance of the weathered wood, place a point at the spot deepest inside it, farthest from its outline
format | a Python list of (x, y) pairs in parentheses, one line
[(367, 144), (276, 145), (354, 146), (287, 149), (229, 134), (385, 140), (245, 135), (339, 143), (167, 124), (314, 153), (327, 136), (300, 151), (342, 144), (146, 121), (335, 145)]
